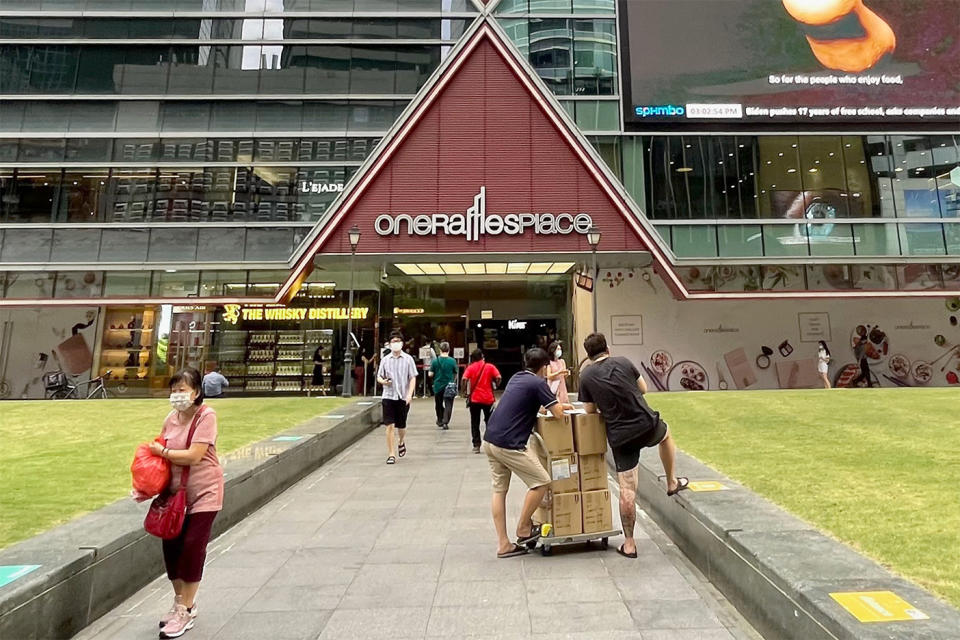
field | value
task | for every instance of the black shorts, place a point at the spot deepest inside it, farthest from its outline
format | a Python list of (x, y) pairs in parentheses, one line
[(395, 413), (627, 455)]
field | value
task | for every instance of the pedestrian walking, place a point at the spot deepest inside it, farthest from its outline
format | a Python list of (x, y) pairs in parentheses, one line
[(505, 443), (214, 382), (443, 370), (613, 387), (316, 379), (823, 362), (557, 375), (860, 353), (184, 556), (479, 381), (398, 375)]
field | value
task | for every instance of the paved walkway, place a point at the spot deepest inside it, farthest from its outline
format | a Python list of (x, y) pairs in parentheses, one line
[(361, 550)]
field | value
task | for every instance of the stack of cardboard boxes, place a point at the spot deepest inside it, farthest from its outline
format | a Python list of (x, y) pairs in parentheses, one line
[(578, 501)]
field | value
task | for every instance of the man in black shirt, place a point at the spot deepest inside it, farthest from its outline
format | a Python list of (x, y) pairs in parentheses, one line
[(613, 387), (505, 443)]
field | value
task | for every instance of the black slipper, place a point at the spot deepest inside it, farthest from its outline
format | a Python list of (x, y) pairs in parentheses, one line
[(391, 460), (682, 483), (402, 449), (516, 551), (625, 554), (533, 537)]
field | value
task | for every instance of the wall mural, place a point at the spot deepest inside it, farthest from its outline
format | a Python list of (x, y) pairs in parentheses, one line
[(772, 344), (34, 342)]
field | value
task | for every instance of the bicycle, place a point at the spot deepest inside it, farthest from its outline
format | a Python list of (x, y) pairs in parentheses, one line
[(59, 387)]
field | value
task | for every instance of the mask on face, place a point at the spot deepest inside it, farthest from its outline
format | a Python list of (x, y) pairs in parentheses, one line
[(559, 353), (180, 400), (396, 346)]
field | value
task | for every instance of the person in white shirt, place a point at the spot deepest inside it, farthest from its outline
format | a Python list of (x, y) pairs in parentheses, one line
[(398, 375), (823, 362)]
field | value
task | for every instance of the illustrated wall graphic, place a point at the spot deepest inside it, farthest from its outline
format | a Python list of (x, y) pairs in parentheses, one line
[(843, 34), (740, 369), (767, 344)]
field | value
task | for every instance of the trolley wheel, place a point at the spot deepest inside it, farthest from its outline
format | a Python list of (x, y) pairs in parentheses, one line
[(532, 545), (546, 550), (604, 543)]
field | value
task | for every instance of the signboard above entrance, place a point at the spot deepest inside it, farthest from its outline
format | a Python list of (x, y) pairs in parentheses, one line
[(476, 223), (232, 313)]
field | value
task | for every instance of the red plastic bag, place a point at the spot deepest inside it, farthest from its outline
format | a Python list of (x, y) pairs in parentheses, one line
[(151, 474)]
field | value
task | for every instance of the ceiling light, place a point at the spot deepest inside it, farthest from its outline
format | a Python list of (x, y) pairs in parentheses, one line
[(409, 269), (431, 269), (452, 268), (474, 269), (560, 267), (791, 170), (496, 267), (539, 268), (812, 170), (517, 267), (684, 169)]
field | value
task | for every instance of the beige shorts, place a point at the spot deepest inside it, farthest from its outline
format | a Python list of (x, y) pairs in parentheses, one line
[(524, 463)]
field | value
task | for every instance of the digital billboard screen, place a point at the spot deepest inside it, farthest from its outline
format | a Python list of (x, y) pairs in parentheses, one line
[(783, 62)]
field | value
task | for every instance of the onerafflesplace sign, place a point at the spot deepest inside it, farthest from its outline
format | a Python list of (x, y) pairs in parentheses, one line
[(476, 222)]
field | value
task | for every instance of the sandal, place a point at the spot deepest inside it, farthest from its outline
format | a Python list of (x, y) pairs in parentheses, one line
[(682, 483), (533, 536), (625, 554), (516, 551), (391, 460), (402, 449)]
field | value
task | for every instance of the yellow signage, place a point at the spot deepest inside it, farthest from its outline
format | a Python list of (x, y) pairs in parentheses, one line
[(707, 485), (233, 313), (878, 606), (400, 311)]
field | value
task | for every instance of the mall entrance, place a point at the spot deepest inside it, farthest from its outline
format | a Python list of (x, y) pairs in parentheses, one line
[(503, 314)]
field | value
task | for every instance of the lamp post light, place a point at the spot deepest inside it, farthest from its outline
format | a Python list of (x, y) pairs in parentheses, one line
[(354, 235), (593, 239)]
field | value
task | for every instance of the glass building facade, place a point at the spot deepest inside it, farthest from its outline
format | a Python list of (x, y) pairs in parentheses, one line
[(209, 136)]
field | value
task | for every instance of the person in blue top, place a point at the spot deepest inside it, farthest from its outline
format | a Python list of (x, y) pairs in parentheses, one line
[(214, 382), (505, 443), (443, 370)]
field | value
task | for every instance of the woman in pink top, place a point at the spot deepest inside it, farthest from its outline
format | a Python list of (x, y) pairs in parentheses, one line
[(557, 373), (184, 556)]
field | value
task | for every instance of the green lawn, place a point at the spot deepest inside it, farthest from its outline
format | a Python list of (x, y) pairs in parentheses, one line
[(59, 460), (875, 468)]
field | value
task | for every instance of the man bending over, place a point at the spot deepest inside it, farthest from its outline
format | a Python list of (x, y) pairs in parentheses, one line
[(505, 443), (614, 387)]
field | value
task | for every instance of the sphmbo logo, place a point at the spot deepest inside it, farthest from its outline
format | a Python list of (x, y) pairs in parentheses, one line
[(476, 223)]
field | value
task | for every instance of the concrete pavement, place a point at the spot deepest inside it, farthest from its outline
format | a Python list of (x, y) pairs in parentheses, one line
[(361, 550)]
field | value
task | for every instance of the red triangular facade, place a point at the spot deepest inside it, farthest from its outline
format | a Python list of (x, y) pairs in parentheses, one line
[(483, 128)]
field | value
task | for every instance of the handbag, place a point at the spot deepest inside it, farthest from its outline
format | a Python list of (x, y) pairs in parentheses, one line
[(167, 512)]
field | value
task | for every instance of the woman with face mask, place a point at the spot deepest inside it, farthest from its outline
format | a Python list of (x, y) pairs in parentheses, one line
[(558, 372), (184, 556)]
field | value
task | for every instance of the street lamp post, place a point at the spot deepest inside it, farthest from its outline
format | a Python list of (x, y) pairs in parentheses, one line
[(593, 239), (354, 235)]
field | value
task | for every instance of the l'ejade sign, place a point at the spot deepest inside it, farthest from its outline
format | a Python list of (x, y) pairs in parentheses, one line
[(233, 313)]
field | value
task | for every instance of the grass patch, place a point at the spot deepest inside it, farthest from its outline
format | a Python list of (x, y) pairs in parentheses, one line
[(875, 468), (62, 459)]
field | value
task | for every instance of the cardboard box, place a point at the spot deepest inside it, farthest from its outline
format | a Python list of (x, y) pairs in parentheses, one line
[(557, 435), (590, 433), (567, 514), (597, 511), (565, 474), (593, 472)]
